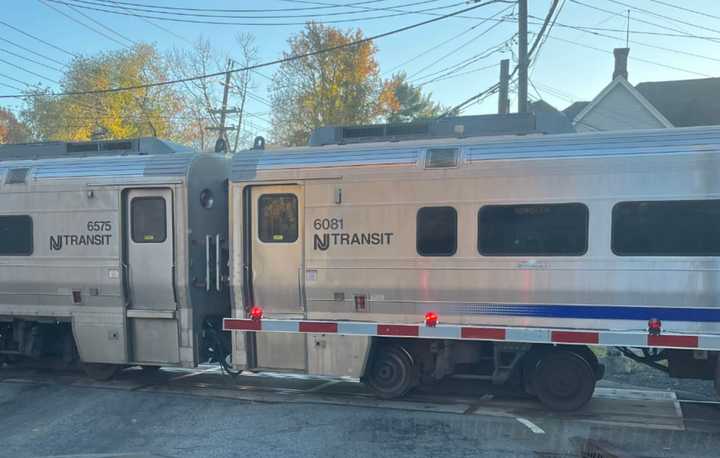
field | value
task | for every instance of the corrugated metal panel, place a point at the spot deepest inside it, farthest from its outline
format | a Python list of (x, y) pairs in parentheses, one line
[(636, 142), (246, 163), (114, 166)]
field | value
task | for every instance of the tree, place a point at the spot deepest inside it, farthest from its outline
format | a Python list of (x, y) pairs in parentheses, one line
[(202, 98), (150, 111), (400, 101), (337, 87), (12, 130)]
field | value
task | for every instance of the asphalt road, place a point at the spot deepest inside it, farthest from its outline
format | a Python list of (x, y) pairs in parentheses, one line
[(200, 415)]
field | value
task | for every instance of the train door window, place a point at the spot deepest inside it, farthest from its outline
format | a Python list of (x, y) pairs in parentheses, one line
[(666, 228), (16, 235), (278, 218), (533, 230), (436, 231), (149, 221)]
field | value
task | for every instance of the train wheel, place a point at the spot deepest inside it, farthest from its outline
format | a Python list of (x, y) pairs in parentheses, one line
[(392, 373), (563, 381), (100, 371)]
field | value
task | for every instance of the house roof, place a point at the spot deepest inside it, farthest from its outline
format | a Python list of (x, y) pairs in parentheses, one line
[(541, 106), (694, 102), (574, 109), (621, 81)]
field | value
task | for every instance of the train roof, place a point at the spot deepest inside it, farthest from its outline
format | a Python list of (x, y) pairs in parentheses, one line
[(594, 144), (116, 160)]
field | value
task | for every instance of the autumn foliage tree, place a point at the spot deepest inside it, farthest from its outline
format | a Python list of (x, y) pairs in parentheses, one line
[(12, 130), (401, 101), (337, 87), (150, 111)]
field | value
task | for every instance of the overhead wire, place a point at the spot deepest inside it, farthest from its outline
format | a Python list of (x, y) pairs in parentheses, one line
[(58, 48), (77, 21), (221, 10), (20, 56), (273, 62), (689, 10), (232, 16), (272, 24), (668, 18)]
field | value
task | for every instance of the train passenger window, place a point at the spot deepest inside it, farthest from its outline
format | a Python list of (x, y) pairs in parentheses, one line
[(278, 218), (436, 231), (666, 228), (16, 235), (149, 223), (533, 230)]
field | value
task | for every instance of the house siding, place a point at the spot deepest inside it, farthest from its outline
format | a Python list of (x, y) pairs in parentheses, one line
[(618, 110)]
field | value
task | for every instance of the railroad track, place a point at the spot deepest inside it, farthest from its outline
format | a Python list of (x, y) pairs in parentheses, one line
[(610, 406)]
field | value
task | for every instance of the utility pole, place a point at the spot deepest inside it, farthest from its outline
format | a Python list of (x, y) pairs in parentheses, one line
[(522, 56), (222, 143), (503, 102)]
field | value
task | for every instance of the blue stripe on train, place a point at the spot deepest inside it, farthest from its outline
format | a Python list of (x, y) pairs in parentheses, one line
[(598, 312)]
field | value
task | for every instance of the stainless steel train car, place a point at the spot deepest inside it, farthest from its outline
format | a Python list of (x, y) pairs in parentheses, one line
[(518, 252), (114, 248)]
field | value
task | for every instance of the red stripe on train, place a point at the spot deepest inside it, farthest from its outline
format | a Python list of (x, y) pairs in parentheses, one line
[(309, 326), (673, 341), (575, 337), (482, 333), (398, 330), (241, 325)]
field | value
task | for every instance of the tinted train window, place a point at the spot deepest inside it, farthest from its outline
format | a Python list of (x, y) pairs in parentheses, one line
[(669, 228), (149, 224), (16, 235), (278, 218), (533, 230), (437, 231)]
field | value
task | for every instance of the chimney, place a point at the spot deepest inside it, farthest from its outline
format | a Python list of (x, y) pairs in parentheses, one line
[(621, 57)]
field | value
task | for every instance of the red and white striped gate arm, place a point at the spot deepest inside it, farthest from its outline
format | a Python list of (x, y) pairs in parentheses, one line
[(462, 332)]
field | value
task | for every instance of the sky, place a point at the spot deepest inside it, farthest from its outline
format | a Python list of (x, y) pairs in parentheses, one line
[(455, 58)]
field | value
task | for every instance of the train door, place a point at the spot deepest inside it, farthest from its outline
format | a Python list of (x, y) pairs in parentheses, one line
[(277, 271), (149, 241)]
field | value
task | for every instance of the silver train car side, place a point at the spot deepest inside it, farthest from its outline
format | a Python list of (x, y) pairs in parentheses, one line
[(593, 232), (119, 245)]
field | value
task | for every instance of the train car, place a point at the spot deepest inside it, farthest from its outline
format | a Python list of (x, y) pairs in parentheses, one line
[(500, 258), (111, 249)]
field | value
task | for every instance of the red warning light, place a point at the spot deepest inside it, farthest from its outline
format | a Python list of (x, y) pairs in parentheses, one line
[(431, 319), (256, 313), (654, 326)]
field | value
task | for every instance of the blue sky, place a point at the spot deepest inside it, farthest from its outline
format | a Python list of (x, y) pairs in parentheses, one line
[(566, 69)]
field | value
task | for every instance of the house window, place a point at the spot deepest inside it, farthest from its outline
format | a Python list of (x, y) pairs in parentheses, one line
[(278, 218), (149, 222), (666, 228), (437, 231), (16, 235), (533, 230)]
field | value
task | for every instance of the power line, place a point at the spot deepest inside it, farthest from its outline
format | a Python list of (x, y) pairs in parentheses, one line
[(270, 63), (654, 24), (167, 11), (257, 24), (20, 56), (104, 26), (462, 46), (10, 86), (457, 75), (469, 61), (669, 18), (216, 10), (77, 21), (32, 52), (689, 10), (648, 45), (454, 37), (30, 72), (633, 58), (38, 39)]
